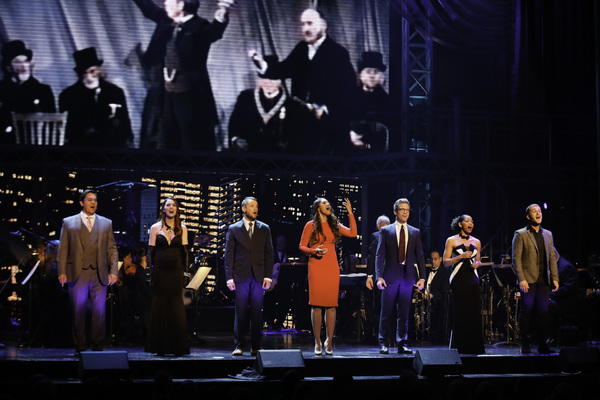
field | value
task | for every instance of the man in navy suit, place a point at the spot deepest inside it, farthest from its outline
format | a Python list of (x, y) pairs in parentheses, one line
[(88, 263), (248, 270), (399, 264)]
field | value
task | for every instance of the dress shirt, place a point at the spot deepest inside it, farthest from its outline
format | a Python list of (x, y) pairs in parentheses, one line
[(312, 48), (84, 219), (429, 279), (403, 226)]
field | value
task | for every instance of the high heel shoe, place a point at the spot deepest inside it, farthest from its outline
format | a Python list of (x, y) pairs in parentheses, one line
[(328, 350), (318, 349)]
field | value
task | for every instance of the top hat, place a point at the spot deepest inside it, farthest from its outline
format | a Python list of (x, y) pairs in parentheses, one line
[(371, 59), (273, 69), (14, 48), (86, 58)]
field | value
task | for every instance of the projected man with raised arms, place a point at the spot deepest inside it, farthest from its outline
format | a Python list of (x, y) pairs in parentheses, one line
[(180, 45)]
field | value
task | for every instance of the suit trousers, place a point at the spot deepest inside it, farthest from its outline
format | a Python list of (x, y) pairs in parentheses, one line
[(248, 293), (534, 304), (395, 307), (88, 286)]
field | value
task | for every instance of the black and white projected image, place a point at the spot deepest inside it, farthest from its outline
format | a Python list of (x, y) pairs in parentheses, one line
[(193, 75)]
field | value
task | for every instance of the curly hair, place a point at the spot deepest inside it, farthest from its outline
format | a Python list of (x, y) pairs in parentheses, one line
[(332, 220), (454, 224), (176, 221)]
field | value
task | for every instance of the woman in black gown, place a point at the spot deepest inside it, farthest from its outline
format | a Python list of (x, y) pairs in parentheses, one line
[(462, 252), (167, 256)]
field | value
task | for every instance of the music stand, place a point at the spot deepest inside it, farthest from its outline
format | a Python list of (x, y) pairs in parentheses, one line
[(507, 279)]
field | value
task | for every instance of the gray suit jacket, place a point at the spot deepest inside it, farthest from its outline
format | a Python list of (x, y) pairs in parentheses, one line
[(525, 256), (70, 250)]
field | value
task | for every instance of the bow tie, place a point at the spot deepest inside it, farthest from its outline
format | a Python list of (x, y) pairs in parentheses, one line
[(433, 271)]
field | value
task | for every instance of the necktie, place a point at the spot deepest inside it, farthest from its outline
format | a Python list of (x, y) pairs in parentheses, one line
[(401, 246), (250, 229), (89, 223)]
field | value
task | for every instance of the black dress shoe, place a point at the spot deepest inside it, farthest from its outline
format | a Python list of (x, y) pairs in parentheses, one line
[(384, 350), (525, 349), (254, 352), (404, 350)]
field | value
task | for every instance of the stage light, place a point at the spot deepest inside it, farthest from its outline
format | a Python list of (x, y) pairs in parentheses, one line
[(545, 206)]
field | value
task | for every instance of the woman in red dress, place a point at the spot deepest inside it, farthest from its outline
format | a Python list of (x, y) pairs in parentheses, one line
[(318, 241)]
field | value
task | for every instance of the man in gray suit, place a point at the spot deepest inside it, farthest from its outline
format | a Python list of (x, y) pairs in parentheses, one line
[(87, 263), (248, 270), (399, 267), (534, 262)]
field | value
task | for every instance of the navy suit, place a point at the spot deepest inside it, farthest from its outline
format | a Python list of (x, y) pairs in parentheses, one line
[(248, 261), (399, 278)]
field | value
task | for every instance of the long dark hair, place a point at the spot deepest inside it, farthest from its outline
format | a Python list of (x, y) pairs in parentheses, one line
[(176, 221), (332, 220)]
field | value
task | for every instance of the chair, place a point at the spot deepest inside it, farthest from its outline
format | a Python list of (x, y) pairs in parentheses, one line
[(40, 128)]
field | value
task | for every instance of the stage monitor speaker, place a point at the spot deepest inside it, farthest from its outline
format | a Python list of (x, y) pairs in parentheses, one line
[(437, 362), (274, 363), (573, 360), (103, 363)]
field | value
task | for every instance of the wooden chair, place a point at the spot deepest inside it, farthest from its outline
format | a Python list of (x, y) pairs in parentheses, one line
[(40, 128)]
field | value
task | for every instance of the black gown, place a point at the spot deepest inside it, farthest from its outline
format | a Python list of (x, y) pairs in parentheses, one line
[(467, 336), (167, 332)]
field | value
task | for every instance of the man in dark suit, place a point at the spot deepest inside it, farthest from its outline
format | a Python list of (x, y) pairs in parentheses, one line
[(19, 90), (87, 263), (248, 270), (98, 114), (437, 288), (179, 47), (399, 266), (534, 262), (323, 80)]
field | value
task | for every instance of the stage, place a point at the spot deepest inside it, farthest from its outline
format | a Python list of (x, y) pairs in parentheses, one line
[(212, 367)]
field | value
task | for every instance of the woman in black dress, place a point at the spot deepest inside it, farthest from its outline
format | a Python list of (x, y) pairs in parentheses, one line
[(462, 252), (167, 256)]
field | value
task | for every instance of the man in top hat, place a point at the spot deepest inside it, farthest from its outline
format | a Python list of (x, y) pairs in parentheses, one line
[(260, 119), (322, 81), (179, 47), (98, 114), (19, 90), (368, 130)]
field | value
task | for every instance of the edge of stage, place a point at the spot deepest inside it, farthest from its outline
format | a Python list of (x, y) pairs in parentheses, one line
[(211, 362)]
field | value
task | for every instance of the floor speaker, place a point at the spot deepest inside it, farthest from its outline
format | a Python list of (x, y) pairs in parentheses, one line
[(103, 363), (274, 363), (573, 360), (437, 362)]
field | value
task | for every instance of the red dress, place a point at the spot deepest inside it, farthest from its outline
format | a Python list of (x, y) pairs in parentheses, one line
[(324, 271)]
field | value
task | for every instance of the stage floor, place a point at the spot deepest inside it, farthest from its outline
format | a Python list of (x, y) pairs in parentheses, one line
[(212, 367), (213, 352)]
